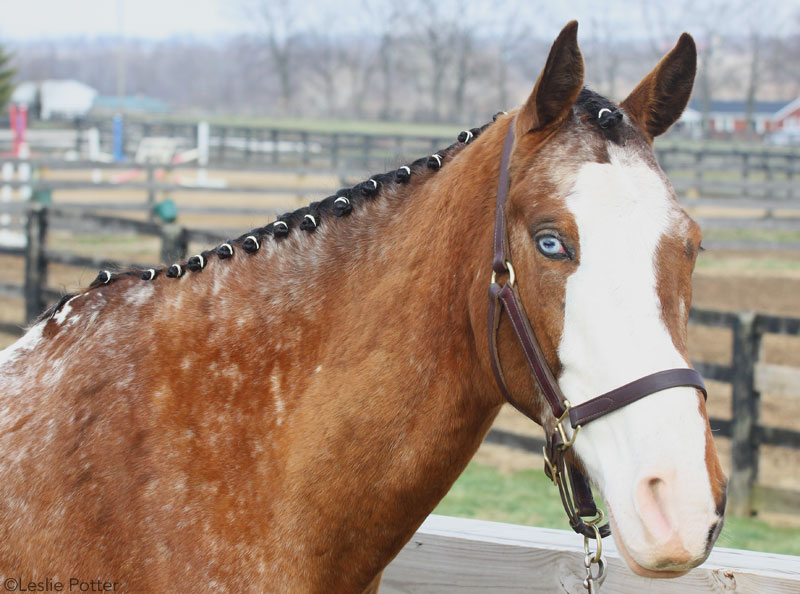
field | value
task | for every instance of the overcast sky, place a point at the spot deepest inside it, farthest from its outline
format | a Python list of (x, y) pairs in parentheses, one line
[(160, 19)]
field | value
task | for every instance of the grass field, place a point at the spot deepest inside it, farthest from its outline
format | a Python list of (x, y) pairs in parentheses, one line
[(528, 497)]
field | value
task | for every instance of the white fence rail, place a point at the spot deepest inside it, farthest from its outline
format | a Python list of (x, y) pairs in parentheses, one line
[(456, 555)]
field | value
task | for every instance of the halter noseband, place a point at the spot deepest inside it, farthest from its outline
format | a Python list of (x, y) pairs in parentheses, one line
[(576, 494)]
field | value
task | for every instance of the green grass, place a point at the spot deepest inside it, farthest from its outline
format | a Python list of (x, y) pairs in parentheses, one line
[(529, 498)]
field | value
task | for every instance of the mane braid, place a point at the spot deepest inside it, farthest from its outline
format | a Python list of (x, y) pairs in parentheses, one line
[(600, 111), (306, 219)]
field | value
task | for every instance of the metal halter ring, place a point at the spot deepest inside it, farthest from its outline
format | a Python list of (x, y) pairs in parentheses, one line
[(511, 276), (566, 442), (599, 552)]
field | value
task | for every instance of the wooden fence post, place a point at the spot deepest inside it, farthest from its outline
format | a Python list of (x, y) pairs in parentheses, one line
[(745, 408), (174, 243), (35, 261)]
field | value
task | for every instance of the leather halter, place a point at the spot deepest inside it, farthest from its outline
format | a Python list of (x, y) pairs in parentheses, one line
[(576, 494)]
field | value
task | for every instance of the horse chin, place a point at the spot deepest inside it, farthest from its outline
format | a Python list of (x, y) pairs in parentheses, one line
[(632, 564)]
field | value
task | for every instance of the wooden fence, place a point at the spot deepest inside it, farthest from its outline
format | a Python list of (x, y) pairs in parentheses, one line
[(706, 169), (710, 170), (449, 555), (748, 376), (767, 231)]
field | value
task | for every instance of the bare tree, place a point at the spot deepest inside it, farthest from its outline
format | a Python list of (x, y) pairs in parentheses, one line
[(433, 32), (764, 25), (707, 21), (278, 24)]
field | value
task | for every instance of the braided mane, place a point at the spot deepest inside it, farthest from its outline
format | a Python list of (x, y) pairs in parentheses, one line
[(307, 219), (342, 203)]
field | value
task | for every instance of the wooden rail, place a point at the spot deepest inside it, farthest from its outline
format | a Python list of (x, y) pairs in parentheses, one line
[(449, 555), (748, 376), (776, 227), (707, 168)]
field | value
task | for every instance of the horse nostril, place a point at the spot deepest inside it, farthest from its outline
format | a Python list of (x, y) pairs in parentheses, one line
[(653, 503)]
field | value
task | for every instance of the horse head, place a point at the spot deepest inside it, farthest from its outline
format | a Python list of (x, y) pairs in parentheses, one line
[(603, 257)]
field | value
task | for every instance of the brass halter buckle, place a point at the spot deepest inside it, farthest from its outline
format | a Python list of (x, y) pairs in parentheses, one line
[(551, 466), (566, 443), (512, 277), (556, 469)]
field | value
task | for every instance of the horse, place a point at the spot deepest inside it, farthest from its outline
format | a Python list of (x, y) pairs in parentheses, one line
[(280, 414)]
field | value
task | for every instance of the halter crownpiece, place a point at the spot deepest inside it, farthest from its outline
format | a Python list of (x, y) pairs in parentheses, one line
[(576, 494)]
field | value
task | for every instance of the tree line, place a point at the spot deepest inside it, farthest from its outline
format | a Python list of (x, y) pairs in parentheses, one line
[(445, 61)]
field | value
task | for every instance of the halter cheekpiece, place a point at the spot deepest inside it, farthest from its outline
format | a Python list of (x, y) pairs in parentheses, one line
[(576, 494)]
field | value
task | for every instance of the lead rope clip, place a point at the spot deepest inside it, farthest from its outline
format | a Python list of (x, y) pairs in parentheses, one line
[(593, 581)]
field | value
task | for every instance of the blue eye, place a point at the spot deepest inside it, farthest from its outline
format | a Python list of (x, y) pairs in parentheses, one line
[(551, 246)]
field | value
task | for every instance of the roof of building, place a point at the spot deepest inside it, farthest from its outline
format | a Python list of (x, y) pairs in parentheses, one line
[(137, 103), (740, 106)]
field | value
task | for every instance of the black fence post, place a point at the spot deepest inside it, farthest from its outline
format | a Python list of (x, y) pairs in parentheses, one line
[(174, 243), (79, 125), (367, 147), (275, 149), (305, 148), (335, 150), (745, 408), (223, 139), (35, 262), (151, 191)]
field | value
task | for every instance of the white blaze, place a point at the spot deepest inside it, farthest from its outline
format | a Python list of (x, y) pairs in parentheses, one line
[(613, 334)]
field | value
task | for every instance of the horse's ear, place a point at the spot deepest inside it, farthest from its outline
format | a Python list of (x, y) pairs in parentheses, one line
[(558, 85), (659, 100)]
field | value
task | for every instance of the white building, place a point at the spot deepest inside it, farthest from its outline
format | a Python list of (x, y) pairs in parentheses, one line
[(55, 98)]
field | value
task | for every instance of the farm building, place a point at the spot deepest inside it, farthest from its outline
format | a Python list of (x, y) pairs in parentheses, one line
[(139, 104), (47, 99), (730, 117), (69, 99)]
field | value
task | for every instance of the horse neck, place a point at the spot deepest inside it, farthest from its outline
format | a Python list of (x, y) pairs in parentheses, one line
[(386, 398), (349, 355)]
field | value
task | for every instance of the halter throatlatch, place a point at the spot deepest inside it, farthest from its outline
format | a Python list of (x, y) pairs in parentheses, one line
[(576, 494)]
